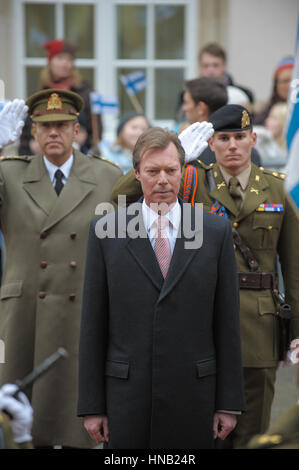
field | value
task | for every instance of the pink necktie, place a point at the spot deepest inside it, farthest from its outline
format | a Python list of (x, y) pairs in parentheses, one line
[(162, 246)]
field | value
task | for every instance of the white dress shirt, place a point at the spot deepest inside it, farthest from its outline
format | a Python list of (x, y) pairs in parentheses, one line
[(65, 168), (150, 222)]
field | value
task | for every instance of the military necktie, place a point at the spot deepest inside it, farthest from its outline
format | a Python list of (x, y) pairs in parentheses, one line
[(235, 191), (162, 245), (59, 184)]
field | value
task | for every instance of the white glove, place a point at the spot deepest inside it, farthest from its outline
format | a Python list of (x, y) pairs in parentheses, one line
[(194, 139), (293, 353), (20, 410), (12, 121)]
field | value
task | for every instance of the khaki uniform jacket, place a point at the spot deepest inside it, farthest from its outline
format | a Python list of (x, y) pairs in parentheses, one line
[(40, 300), (265, 233)]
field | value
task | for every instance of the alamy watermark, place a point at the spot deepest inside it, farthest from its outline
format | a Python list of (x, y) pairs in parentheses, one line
[(130, 222), (2, 351)]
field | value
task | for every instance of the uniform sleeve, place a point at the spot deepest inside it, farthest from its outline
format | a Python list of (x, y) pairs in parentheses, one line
[(230, 393), (288, 250), (93, 331), (127, 186)]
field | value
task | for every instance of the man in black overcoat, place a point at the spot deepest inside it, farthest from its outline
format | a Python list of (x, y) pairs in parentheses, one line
[(160, 355)]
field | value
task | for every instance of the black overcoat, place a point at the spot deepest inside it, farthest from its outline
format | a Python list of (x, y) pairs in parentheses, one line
[(160, 357)]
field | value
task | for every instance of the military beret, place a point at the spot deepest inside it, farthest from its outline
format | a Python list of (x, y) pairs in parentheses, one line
[(54, 105), (231, 118)]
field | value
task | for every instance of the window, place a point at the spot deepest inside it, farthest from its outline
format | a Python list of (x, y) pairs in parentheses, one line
[(115, 37)]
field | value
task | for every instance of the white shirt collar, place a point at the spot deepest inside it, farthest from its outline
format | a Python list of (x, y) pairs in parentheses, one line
[(150, 216), (65, 168)]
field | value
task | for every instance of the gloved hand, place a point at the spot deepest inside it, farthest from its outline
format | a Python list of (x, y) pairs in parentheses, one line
[(20, 410), (12, 121), (194, 139)]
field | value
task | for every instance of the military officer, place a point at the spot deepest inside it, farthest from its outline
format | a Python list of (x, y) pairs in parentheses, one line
[(46, 205), (264, 225)]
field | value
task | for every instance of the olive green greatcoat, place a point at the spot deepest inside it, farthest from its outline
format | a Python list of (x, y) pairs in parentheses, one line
[(40, 300), (266, 233)]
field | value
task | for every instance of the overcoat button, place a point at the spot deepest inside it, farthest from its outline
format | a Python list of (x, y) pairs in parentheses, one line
[(42, 295), (72, 297), (43, 235), (73, 264), (73, 235), (235, 224), (43, 264)]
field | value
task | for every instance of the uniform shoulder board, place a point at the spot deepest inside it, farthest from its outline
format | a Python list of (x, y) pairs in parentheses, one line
[(110, 161), (23, 158), (204, 165), (278, 175), (94, 155)]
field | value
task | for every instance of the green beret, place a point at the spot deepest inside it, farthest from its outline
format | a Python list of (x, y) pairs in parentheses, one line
[(54, 105), (231, 118)]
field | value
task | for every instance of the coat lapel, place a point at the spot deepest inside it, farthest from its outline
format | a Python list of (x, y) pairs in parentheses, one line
[(79, 184), (221, 192), (37, 184), (255, 194), (143, 253), (180, 260)]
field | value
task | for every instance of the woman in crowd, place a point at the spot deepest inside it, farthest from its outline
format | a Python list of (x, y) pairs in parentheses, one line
[(281, 84), (60, 72), (130, 127)]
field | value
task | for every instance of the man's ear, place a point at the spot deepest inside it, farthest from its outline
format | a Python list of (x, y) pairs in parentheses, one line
[(33, 129), (202, 111), (76, 129), (211, 143), (254, 138), (137, 174)]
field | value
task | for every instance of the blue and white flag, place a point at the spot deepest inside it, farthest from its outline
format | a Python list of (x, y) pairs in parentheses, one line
[(103, 104), (292, 132), (134, 82)]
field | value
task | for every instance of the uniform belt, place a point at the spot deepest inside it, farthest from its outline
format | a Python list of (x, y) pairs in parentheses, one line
[(256, 280)]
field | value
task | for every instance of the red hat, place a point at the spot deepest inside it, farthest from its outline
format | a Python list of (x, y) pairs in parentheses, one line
[(286, 63), (57, 46)]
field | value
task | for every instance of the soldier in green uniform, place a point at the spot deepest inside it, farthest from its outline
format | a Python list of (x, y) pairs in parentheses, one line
[(264, 224), (46, 205)]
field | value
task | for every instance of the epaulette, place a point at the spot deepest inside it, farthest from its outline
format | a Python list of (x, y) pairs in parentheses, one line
[(204, 165), (278, 175), (105, 159), (24, 158)]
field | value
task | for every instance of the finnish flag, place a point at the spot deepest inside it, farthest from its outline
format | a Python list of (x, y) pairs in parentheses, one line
[(103, 104), (134, 82)]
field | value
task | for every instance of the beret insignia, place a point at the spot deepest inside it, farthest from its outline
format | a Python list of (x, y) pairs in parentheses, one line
[(245, 120)]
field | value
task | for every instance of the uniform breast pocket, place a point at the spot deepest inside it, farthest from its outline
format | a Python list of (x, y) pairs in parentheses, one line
[(265, 230), (11, 290)]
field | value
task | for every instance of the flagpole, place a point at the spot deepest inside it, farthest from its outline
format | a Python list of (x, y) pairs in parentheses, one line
[(135, 103)]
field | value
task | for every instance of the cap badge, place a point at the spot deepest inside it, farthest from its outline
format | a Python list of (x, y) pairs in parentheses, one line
[(54, 102), (245, 120)]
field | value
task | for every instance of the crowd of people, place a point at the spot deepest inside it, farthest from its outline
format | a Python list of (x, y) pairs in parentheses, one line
[(149, 325)]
